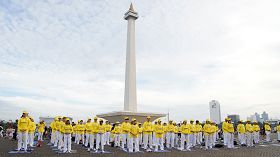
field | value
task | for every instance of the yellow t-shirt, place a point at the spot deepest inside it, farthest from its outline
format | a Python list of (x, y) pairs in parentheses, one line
[(159, 130), (23, 124), (125, 127), (117, 130), (185, 128), (241, 128), (68, 129), (134, 131), (32, 127), (148, 127), (207, 129), (41, 127)]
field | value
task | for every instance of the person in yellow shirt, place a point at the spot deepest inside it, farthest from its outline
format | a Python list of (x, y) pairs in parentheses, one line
[(159, 131), (81, 132), (198, 129), (212, 135), (67, 131), (57, 125), (267, 129), (41, 130), (61, 135), (154, 134), (31, 130), (164, 134), (185, 138), (230, 138), (278, 132), (117, 134), (52, 125), (100, 136), (192, 134), (249, 134), (176, 136), (256, 132), (148, 133), (125, 132), (93, 135), (133, 137), (241, 133), (74, 134), (225, 131), (108, 132), (140, 134), (170, 136), (23, 127), (88, 127), (207, 134)]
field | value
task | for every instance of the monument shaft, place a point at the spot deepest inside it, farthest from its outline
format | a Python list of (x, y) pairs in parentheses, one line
[(130, 95)]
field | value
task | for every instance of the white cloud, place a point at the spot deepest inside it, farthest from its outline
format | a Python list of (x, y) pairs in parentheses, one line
[(71, 54)]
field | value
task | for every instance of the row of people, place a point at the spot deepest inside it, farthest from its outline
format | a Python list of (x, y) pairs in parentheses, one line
[(129, 135)]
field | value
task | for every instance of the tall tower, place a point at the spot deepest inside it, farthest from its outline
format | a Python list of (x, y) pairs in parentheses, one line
[(215, 112), (130, 96)]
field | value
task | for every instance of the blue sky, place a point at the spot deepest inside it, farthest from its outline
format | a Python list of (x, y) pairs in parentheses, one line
[(66, 57)]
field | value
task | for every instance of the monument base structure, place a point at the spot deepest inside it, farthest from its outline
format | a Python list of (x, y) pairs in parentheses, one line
[(120, 115)]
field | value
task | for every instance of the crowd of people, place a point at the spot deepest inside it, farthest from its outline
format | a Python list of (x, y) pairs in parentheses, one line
[(130, 135)]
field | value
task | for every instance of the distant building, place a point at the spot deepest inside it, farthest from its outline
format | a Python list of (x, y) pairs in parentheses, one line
[(234, 118), (257, 117), (215, 112), (265, 116)]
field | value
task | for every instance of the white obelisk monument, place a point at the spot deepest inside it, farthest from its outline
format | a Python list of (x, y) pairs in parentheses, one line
[(130, 96)]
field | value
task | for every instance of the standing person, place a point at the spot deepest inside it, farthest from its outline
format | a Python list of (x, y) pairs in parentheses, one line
[(230, 138), (212, 135), (140, 134), (57, 133), (61, 135), (52, 125), (185, 136), (133, 137), (170, 136), (278, 132), (108, 132), (41, 129), (93, 135), (225, 131), (125, 132), (88, 127), (207, 134), (81, 132), (117, 134), (249, 134), (159, 131), (165, 131), (267, 129), (22, 127), (198, 129), (176, 136), (31, 130), (256, 132), (241, 133), (100, 136), (67, 130), (192, 134), (148, 133)]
